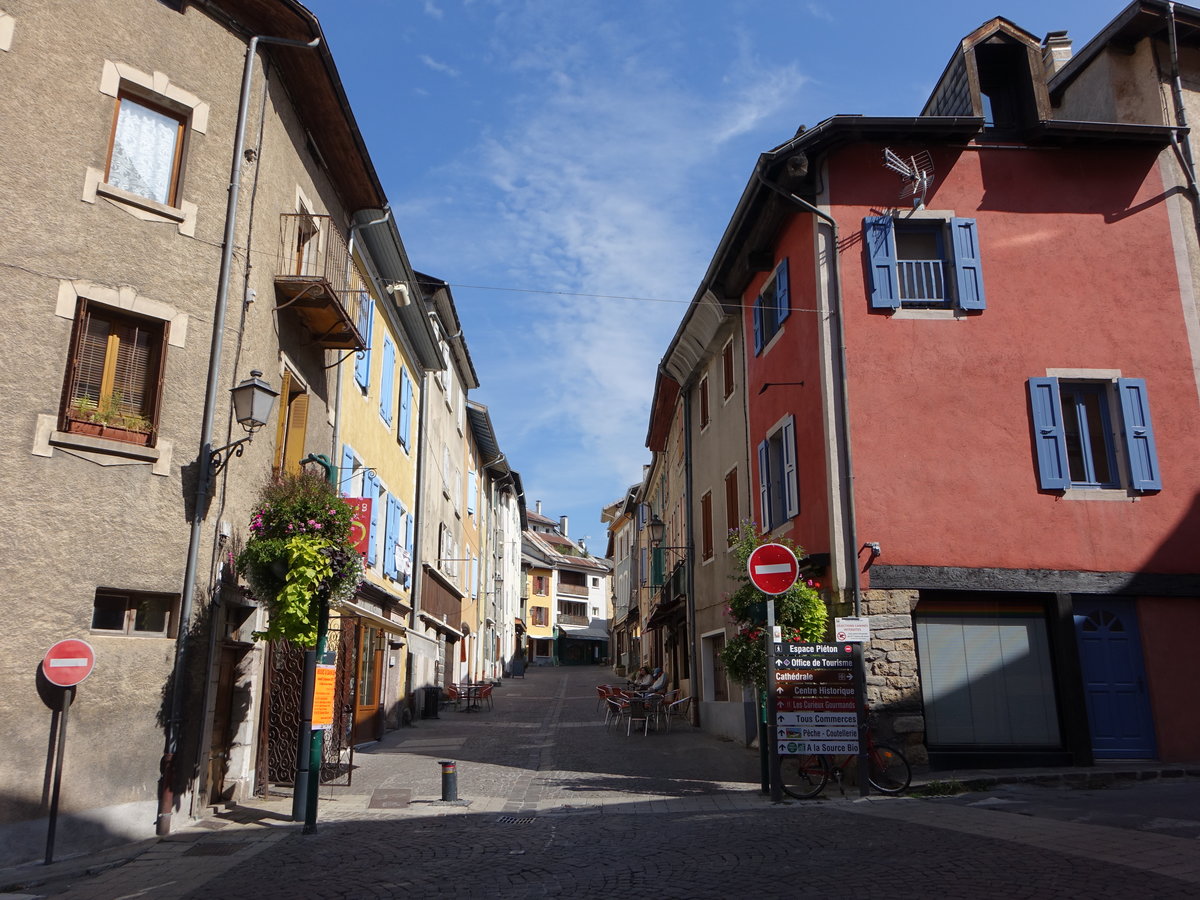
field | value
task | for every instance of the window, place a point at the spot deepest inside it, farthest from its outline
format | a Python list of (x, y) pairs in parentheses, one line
[(727, 370), (772, 306), (387, 382), (595, 582), (366, 324), (731, 505), (778, 489), (114, 375), (706, 525), (397, 542), (595, 612), (571, 608), (127, 612), (1079, 427), (704, 413), (923, 263), (720, 683), (404, 431), (291, 426), (146, 150), (541, 585), (539, 615)]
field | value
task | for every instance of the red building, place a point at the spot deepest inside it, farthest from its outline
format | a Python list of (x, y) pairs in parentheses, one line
[(969, 380)]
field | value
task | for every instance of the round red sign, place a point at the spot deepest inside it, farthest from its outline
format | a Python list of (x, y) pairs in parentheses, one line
[(68, 662), (773, 568)]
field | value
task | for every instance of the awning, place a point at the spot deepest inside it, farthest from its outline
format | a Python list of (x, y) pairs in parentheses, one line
[(584, 632), (373, 617), (664, 613)]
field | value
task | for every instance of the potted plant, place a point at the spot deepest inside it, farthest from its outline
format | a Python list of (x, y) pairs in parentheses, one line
[(109, 419), (299, 555), (800, 612)]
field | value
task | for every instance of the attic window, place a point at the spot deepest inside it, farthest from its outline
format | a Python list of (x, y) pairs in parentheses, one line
[(1005, 84)]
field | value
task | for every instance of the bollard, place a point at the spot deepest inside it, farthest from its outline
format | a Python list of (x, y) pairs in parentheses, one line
[(449, 779)]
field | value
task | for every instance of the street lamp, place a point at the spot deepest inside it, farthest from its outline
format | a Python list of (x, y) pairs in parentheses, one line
[(253, 401)]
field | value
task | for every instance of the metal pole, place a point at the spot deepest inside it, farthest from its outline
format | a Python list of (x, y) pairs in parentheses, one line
[(58, 767), (776, 774), (316, 741), (166, 800), (304, 737)]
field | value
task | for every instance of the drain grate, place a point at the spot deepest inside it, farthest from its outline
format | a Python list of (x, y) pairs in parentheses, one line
[(515, 820), (215, 848)]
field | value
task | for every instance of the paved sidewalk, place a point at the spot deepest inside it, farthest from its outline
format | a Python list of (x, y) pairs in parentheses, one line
[(544, 755)]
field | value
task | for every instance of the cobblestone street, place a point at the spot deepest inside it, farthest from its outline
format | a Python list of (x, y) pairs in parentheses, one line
[(552, 804)]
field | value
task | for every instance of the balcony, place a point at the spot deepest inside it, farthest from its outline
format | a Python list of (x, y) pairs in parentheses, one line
[(922, 280), (319, 283), (564, 619), (572, 590)]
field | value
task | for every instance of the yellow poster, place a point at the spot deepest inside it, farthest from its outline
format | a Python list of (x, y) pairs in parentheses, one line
[(322, 708)]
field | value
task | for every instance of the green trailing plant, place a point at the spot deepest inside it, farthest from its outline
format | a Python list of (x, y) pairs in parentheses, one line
[(299, 555), (800, 612)]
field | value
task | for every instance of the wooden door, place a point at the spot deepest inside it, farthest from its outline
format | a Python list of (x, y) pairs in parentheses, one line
[(368, 708)]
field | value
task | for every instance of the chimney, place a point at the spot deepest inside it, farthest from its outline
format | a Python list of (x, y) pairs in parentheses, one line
[(537, 507), (562, 525), (1056, 52)]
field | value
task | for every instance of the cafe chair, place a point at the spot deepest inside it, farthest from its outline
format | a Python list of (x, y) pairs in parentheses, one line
[(679, 709), (639, 710)]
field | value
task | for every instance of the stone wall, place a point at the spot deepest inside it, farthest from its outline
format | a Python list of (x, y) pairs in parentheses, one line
[(893, 680)]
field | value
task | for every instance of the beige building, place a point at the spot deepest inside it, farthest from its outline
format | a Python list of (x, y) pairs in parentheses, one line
[(115, 278)]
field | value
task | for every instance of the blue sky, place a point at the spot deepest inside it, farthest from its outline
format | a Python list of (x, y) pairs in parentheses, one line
[(550, 157)]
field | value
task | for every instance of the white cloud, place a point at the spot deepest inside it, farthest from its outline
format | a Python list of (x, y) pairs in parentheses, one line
[(817, 11), (432, 10), (438, 66), (593, 186)]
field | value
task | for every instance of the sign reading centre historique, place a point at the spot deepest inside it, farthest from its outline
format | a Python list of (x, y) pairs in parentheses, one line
[(815, 699)]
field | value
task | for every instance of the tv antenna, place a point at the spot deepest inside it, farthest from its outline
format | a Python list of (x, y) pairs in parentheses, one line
[(916, 173)]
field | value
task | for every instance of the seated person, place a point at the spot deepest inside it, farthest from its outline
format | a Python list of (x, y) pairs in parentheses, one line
[(659, 681), (641, 679)]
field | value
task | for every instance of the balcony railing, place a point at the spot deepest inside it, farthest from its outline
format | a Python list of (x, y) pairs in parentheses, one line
[(572, 590), (564, 619), (922, 280), (318, 281)]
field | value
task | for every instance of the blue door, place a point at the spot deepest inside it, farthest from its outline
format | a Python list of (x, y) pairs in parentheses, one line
[(1110, 653)]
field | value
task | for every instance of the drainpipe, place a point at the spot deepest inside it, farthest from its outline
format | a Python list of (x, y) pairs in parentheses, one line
[(690, 571), (166, 800), (850, 532)]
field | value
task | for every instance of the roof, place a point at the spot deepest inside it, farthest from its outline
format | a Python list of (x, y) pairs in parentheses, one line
[(662, 410), (1138, 20), (548, 550), (376, 228), (485, 439), (316, 88), (441, 304)]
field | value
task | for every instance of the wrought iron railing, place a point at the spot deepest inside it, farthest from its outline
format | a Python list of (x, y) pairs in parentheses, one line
[(922, 280), (312, 250)]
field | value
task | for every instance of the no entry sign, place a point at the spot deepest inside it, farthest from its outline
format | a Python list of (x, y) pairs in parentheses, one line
[(68, 662), (773, 568)]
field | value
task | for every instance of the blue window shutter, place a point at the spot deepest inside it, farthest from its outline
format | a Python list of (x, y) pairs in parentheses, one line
[(878, 233), (964, 239), (758, 325), (389, 538), (1139, 435), (406, 398), (366, 319), (472, 493), (408, 549), (347, 473), (387, 398), (791, 483), (371, 491), (783, 292), (764, 484), (1049, 436)]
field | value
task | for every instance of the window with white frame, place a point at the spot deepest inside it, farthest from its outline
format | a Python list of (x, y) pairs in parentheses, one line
[(146, 149), (778, 483), (772, 306), (1093, 434), (924, 263)]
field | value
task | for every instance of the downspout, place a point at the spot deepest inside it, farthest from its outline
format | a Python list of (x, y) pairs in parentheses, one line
[(843, 404), (690, 545), (166, 801), (1183, 149)]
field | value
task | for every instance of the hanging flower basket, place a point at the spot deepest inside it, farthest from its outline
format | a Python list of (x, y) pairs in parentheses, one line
[(800, 613), (299, 555)]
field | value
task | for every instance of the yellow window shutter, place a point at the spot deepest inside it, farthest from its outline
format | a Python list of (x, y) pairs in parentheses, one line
[(285, 393), (297, 423)]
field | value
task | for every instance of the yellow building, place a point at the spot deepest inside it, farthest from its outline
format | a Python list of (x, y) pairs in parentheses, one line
[(377, 434)]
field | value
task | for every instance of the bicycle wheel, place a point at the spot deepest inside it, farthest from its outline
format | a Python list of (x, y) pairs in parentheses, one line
[(888, 770), (804, 776)]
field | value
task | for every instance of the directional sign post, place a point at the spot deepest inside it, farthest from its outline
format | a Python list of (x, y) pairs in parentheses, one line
[(773, 568), (65, 665)]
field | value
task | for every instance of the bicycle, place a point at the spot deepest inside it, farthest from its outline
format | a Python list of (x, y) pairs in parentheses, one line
[(804, 777)]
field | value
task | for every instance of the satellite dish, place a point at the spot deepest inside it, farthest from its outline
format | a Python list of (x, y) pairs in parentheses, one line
[(916, 173)]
